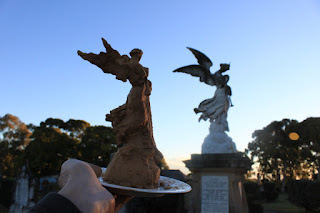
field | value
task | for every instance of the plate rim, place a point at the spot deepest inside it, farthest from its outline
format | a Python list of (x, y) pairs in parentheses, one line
[(159, 190)]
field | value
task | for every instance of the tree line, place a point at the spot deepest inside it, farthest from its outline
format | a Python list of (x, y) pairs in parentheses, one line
[(283, 150), (45, 147), (287, 150)]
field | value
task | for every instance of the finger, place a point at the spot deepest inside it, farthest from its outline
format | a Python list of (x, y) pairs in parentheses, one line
[(64, 173), (67, 165), (63, 179), (73, 166)]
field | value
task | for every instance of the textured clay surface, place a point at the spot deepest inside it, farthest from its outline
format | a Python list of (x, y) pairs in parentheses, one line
[(135, 163)]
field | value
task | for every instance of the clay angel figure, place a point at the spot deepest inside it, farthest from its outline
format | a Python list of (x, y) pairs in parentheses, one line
[(216, 108), (135, 163)]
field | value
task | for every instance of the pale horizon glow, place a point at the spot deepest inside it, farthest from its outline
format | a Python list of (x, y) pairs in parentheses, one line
[(273, 47)]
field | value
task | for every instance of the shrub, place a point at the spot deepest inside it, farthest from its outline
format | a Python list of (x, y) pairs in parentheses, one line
[(311, 196), (254, 197), (305, 193), (255, 208), (270, 192), (3, 209), (6, 191)]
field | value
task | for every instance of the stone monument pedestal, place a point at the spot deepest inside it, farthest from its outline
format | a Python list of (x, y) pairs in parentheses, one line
[(217, 182)]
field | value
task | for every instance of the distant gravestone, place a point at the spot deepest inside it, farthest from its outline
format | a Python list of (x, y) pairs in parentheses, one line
[(24, 192)]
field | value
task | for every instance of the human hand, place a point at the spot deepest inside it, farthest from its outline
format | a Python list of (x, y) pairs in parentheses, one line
[(79, 183)]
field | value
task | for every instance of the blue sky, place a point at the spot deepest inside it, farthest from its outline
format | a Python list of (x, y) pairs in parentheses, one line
[(273, 47)]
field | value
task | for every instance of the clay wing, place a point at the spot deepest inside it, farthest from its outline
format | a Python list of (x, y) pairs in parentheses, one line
[(109, 61)]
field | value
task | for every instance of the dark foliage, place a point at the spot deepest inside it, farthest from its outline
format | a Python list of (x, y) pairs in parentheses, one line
[(45, 147), (287, 150), (6, 191), (305, 193), (255, 208), (48, 149), (165, 204), (97, 144), (270, 191), (254, 197), (14, 136)]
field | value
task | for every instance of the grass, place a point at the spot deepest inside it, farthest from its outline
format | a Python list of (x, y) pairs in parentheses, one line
[(282, 204)]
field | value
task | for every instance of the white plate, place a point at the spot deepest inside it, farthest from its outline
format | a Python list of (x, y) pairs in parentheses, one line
[(166, 186)]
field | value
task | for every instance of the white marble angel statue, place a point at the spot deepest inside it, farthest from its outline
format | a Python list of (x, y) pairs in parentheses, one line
[(215, 109)]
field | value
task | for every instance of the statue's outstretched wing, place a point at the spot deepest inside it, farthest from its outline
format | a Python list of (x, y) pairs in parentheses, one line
[(194, 70), (203, 60), (202, 70)]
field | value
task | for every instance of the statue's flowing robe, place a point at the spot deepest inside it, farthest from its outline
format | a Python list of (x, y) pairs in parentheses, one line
[(216, 108)]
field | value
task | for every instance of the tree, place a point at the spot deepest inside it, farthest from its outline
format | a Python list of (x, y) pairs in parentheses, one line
[(53, 142), (309, 131), (14, 137), (74, 128), (48, 149), (97, 144), (278, 156)]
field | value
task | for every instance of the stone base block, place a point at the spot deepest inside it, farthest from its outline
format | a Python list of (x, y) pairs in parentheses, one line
[(217, 183)]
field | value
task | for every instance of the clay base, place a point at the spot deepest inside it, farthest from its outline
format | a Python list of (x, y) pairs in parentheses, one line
[(134, 167)]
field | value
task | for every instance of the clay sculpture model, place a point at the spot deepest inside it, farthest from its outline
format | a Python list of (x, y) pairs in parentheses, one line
[(215, 109), (135, 163)]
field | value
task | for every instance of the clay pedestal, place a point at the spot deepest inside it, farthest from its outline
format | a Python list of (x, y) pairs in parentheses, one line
[(217, 182)]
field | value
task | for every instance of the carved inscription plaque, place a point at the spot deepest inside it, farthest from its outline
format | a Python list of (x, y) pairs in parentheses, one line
[(214, 194)]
